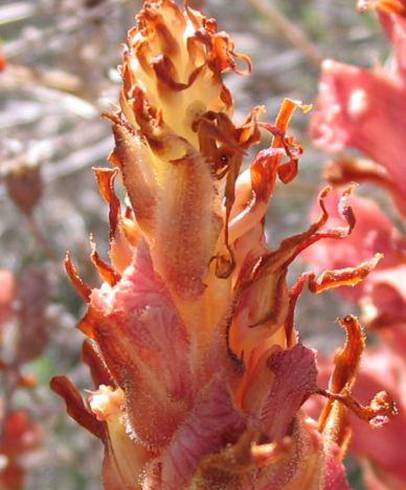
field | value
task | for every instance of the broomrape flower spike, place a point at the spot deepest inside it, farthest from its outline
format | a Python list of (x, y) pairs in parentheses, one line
[(191, 341)]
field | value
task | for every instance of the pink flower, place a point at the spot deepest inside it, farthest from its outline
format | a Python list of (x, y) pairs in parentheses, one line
[(366, 110), (362, 109), (7, 296), (20, 435)]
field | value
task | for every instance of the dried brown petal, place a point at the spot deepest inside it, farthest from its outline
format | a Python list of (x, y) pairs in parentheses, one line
[(81, 287), (333, 420), (24, 186), (105, 271), (346, 361), (75, 406), (105, 180)]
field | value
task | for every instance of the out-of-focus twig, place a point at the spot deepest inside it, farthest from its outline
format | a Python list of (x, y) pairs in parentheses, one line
[(24, 76), (15, 11), (290, 31)]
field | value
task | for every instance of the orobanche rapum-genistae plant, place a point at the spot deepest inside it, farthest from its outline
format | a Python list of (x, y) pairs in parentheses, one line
[(199, 372)]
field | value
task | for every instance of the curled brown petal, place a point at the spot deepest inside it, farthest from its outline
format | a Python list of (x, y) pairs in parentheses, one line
[(287, 171), (333, 419), (75, 405), (274, 265), (377, 413), (349, 276), (291, 247), (105, 180), (105, 271), (330, 279), (165, 71), (226, 159), (347, 359), (81, 287), (263, 172)]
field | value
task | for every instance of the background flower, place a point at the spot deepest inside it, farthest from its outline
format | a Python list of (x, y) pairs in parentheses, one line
[(348, 117)]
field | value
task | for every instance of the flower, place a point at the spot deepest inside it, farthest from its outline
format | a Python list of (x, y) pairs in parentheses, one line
[(199, 372), (364, 109), (20, 435), (7, 296)]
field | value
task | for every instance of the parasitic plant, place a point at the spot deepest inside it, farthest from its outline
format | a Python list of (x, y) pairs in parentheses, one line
[(200, 374)]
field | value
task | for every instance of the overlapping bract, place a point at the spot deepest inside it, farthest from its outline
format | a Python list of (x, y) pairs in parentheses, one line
[(199, 370)]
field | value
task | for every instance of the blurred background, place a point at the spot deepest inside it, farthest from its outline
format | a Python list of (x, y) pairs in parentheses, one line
[(58, 61)]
